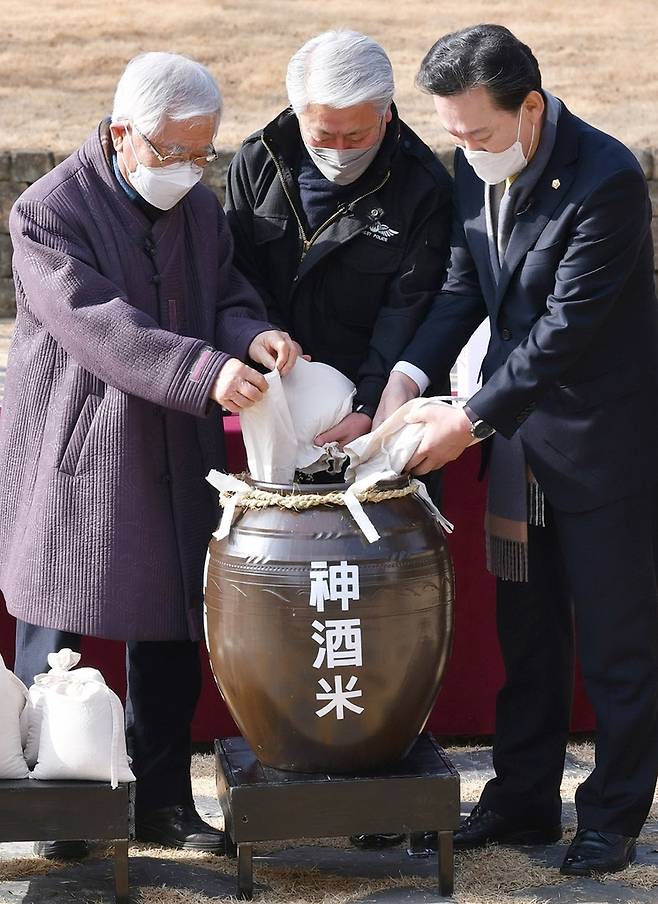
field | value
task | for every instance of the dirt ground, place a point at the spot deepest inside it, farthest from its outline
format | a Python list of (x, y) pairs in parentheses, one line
[(60, 59)]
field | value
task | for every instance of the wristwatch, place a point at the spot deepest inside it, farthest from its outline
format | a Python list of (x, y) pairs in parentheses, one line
[(364, 408), (479, 429)]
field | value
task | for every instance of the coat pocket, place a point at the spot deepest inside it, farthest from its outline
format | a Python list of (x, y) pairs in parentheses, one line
[(599, 390), (79, 435), (368, 254), (549, 257), (269, 229)]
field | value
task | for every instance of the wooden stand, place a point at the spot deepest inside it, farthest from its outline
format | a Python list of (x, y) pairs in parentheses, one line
[(419, 794), (32, 810)]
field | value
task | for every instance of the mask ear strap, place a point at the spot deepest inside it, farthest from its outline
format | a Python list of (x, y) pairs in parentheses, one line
[(518, 131), (532, 139), (132, 148)]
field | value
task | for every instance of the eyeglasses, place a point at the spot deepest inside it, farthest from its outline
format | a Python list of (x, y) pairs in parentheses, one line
[(202, 160)]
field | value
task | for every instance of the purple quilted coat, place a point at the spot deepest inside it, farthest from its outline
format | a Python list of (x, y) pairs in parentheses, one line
[(107, 431)]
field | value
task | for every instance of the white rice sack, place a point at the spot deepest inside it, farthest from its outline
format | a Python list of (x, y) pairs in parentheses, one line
[(80, 727), (13, 699), (59, 663)]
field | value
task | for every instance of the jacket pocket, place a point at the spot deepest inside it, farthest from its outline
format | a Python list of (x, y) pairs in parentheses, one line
[(269, 229), (367, 254), (79, 435), (602, 388), (545, 257)]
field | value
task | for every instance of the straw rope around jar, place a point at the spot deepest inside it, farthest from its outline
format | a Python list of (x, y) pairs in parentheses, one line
[(259, 499), (236, 493)]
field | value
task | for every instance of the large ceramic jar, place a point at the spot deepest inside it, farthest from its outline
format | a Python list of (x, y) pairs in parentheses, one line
[(328, 650)]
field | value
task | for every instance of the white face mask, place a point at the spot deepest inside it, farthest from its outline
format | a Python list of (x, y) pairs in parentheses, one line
[(163, 186), (344, 166), (494, 167)]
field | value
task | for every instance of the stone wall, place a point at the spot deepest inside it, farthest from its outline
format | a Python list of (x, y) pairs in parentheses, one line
[(20, 168)]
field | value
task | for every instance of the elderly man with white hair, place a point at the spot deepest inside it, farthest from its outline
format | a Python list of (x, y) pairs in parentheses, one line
[(341, 216), (133, 328)]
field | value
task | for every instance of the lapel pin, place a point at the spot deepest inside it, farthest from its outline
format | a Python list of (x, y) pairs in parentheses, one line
[(555, 183)]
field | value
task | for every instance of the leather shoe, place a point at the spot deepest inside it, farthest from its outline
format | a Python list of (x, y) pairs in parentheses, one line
[(593, 852), (180, 827), (376, 841), (485, 826), (61, 850)]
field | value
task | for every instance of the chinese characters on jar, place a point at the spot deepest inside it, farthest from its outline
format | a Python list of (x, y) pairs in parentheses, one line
[(338, 639)]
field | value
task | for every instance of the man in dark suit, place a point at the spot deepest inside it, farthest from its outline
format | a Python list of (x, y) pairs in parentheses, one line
[(552, 242)]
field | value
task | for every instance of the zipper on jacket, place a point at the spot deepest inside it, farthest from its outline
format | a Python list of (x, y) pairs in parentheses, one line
[(343, 208), (302, 234)]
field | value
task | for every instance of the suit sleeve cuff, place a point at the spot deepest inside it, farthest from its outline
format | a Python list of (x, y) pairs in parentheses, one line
[(414, 373)]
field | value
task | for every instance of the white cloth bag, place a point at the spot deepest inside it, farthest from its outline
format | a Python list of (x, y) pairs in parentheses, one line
[(279, 430), (269, 436), (59, 663), (13, 724), (76, 725), (383, 455)]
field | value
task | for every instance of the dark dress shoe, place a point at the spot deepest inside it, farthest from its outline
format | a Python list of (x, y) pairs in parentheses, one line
[(61, 850), (424, 843), (594, 852), (180, 827), (484, 827), (376, 842)]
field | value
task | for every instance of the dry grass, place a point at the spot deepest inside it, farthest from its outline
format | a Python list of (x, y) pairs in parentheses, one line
[(61, 58), (639, 876), (203, 775), (172, 896), (484, 877), (27, 868), (495, 875), (582, 752)]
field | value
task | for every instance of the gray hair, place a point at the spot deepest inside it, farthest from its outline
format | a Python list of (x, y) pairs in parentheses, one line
[(340, 69), (158, 86)]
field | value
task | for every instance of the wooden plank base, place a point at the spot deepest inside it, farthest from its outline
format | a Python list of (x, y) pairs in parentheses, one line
[(417, 795), (32, 810)]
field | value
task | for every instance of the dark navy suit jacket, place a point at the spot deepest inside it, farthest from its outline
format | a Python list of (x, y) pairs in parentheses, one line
[(573, 358)]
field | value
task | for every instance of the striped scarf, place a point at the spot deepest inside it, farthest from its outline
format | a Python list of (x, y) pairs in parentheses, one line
[(514, 500)]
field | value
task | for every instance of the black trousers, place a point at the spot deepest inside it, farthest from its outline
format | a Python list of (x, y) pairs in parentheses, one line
[(164, 683), (595, 571)]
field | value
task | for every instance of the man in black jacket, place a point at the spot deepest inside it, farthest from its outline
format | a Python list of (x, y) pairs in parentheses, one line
[(341, 215)]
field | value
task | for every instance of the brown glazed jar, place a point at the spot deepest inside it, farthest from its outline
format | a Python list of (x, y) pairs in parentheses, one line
[(347, 689)]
